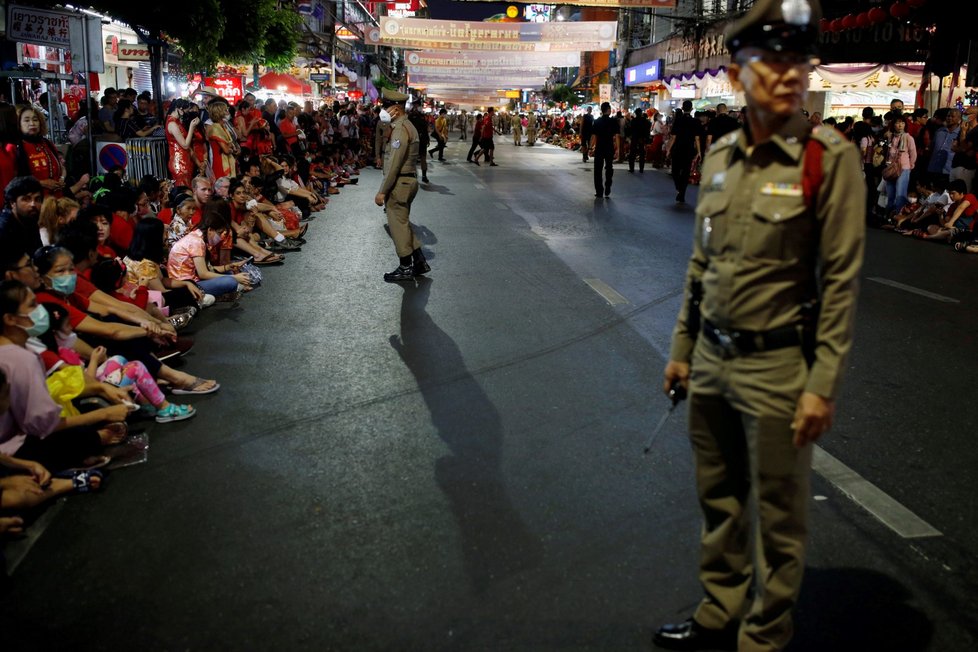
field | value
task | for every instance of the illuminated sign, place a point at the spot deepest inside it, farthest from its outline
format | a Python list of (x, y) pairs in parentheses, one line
[(644, 74)]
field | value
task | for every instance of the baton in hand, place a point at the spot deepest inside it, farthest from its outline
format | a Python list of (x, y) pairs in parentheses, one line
[(677, 393)]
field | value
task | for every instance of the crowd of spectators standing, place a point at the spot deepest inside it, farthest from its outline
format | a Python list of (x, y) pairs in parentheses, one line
[(101, 275)]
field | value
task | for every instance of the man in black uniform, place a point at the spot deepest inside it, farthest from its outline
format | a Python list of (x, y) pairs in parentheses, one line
[(603, 146), (638, 129), (686, 147), (587, 125)]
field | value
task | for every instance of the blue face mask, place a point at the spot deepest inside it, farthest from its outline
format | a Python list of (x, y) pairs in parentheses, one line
[(41, 319), (64, 284)]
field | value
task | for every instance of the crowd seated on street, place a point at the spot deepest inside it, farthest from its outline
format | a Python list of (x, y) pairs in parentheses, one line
[(102, 274)]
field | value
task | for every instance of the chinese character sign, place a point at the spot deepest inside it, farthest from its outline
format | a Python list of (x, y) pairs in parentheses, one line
[(30, 25)]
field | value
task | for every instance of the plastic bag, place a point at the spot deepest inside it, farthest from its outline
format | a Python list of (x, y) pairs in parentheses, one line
[(64, 385)]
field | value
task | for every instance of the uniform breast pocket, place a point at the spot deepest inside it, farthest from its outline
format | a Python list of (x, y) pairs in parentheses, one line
[(713, 221), (781, 229)]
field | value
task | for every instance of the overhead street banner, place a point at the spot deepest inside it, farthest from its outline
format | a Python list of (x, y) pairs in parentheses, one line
[(612, 4), (503, 37), (493, 61), (453, 73)]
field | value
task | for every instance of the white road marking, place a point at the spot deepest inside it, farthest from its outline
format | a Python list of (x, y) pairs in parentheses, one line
[(910, 288), (892, 514), (16, 551), (609, 293), (501, 206), (480, 186)]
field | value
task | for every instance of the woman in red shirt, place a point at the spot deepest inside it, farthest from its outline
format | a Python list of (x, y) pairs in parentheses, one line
[(38, 156), (179, 141)]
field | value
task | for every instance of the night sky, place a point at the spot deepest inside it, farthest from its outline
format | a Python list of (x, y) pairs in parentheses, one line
[(454, 9)]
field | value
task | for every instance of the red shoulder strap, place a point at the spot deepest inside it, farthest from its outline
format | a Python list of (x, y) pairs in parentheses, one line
[(811, 171)]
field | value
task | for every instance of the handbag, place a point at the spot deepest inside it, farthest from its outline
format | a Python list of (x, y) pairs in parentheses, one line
[(893, 170), (695, 175)]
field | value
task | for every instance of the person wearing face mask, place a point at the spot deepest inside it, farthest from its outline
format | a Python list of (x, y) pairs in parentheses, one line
[(179, 139), (762, 340), (34, 428), (399, 188)]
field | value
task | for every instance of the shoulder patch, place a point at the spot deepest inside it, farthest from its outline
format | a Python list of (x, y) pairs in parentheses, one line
[(828, 136), (395, 144)]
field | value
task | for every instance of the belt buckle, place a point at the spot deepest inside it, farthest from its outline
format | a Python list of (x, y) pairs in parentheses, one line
[(727, 343)]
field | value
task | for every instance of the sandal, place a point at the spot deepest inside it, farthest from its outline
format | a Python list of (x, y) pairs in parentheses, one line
[(174, 412), (81, 481), (89, 464), (194, 387), (118, 431), (271, 259)]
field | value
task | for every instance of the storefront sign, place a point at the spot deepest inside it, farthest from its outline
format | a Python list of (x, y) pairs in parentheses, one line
[(604, 92), (40, 27), (644, 74), (319, 77), (889, 42), (230, 88), (133, 52)]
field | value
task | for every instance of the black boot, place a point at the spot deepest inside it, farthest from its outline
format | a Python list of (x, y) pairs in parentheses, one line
[(404, 271), (690, 635), (419, 265)]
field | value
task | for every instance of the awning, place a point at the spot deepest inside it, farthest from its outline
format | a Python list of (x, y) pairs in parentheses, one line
[(276, 81)]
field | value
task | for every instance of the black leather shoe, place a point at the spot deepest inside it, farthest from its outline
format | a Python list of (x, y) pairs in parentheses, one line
[(421, 267), (690, 635), (400, 275)]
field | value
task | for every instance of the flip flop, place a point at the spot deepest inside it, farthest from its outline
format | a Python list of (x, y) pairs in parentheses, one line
[(81, 481), (194, 387), (270, 260), (102, 460)]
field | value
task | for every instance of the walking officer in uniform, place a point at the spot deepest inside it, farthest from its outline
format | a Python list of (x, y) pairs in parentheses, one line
[(399, 187), (762, 339)]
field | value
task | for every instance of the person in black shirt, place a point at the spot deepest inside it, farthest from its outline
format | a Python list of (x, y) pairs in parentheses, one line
[(19, 231), (638, 131), (587, 126), (721, 125), (603, 147), (685, 146)]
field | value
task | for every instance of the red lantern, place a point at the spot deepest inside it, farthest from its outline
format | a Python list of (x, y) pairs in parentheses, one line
[(899, 10), (916, 4), (825, 25), (877, 15), (862, 20), (849, 22), (836, 25)]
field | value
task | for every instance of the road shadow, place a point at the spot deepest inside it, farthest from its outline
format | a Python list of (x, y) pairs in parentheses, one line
[(434, 187), (495, 541), (856, 609), (424, 234)]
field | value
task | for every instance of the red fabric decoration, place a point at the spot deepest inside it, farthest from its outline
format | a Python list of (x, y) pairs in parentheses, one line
[(916, 4), (825, 25), (836, 25), (849, 22), (862, 20), (877, 15)]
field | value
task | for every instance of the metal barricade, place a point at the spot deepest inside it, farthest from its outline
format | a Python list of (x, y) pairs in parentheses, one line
[(146, 156)]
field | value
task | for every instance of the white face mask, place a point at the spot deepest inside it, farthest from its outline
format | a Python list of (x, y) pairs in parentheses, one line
[(385, 117)]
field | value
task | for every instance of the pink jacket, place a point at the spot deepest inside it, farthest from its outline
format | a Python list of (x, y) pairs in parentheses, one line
[(908, 156)]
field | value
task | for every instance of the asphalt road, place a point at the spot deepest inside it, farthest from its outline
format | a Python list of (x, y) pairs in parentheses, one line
[(457, 464)]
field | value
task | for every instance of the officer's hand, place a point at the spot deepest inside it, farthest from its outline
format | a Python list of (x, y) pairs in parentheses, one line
[(379, 199), (676, 370), (813, 416)]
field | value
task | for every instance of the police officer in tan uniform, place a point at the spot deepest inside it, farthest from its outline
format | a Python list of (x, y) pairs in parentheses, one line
[(762, 340), (400, 186)]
